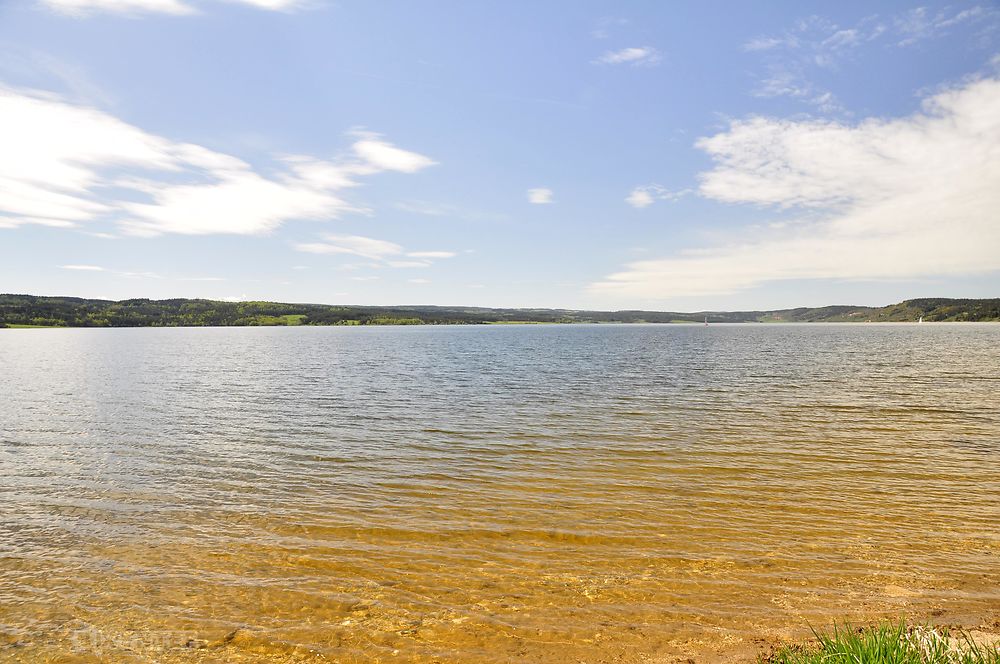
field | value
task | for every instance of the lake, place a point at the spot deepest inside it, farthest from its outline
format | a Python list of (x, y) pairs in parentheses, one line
[(536, 493)]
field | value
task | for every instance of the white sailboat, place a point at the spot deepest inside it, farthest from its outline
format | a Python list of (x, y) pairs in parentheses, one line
[(921, 320)]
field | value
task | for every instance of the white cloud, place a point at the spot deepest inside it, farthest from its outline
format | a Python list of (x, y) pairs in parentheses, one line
[(389, 254), (431, 209), (83, 7), (788, 78), (635, 56), (763, 44), (132, 274), (62, 165), (273, 5), (843, 39), (356, 245), (385, 156), (419, 281), (540, 196), (135, 7), (813, 46), (826, 102), (645, 195), (639, 198), (890, 199), (818, 38), (431, 254), (919, 24)]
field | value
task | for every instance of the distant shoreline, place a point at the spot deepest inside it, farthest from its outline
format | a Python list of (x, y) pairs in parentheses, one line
[(496, 324), (40, 312)]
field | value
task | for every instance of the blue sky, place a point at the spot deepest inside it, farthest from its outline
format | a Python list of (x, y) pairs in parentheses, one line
[(565, 154)]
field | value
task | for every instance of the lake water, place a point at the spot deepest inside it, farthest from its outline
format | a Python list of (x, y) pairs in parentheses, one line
[(539, 493)]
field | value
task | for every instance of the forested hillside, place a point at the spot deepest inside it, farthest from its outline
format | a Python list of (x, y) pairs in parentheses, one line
[(43, 311)]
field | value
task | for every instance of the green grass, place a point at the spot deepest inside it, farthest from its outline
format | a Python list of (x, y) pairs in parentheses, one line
[(888, 644), (16, 326), (287, 319)]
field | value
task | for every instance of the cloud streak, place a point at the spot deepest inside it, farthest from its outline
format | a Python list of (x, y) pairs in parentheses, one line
[(80, 8), (636, 56), (645, 195), (813, 46), (883, 199), (919, 24), (385, 253), (540, 196)]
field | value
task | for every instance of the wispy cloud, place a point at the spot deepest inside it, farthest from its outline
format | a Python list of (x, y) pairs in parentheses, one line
[(763, 44), (919, 24), (38, 65), (795, 58), (540, 196), (639, 198), (431, 254), (645, 195), (387, 254), (387, 157), (819, 37), (132, 274), (635, 55), (889, 199), (61, 166), (791, 59), (355, 245), (604, 26), (431, 209), (136, 7)]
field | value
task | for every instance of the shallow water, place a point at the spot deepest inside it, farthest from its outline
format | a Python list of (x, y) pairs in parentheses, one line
[(491, 493)]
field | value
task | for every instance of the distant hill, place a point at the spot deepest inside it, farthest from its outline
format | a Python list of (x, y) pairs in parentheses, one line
[(42, 311)]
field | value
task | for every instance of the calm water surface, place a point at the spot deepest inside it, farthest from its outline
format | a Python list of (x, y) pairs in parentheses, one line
[(472, 494)]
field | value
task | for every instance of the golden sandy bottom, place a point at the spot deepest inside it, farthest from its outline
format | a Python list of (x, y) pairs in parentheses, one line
[(553, 495), (260, 589)]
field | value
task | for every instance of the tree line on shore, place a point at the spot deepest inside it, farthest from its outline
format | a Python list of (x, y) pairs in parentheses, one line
[(46, 311)]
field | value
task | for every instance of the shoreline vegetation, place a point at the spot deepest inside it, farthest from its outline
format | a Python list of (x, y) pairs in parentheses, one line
[(32, 311), (891, 643)]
